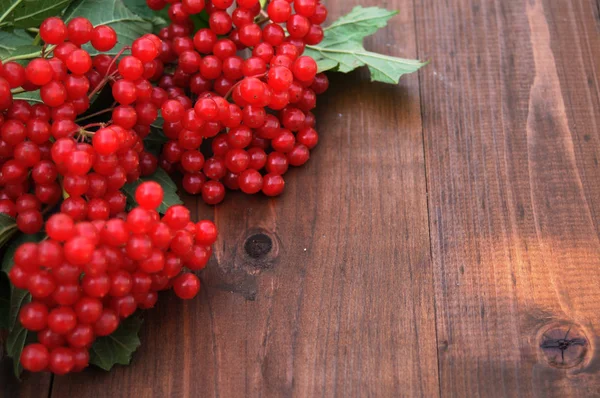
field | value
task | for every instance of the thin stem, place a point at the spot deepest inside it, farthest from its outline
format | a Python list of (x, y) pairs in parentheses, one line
[(17, 90), (87, 126), (45, 52), (102, 83), (116, 57), (23, 56), (108, 75), (226, 96), (262, 17), (82, 133), (47, 209), (95, 114), (10, 9)]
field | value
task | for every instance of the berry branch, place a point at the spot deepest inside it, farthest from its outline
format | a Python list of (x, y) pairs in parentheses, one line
[(93, 115)]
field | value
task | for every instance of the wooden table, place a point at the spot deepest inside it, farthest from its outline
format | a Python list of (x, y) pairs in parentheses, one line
[(442, 240)]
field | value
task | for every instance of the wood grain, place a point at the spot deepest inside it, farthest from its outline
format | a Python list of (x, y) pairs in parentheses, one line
[(510, 116), (343, 303), (496, 294), (32, 385)]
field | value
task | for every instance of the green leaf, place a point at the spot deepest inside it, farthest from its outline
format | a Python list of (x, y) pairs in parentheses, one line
[(29, 13), (128, 25), (16, 43), (342, 48), (360, 22), (18, 298), (33, 96), (159, 19), (170, 198), (17, 334), (8, 227), (200, 20), (140, 8), (14, 346), (118, 347), (156, 139)]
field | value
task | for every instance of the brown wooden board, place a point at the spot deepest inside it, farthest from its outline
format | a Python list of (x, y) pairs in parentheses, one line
[(357, 293), (32, 385), (510, 116), (342, 305)]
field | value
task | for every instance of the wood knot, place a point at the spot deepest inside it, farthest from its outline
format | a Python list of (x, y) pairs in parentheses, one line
[(563, 345), (259, 251), (258, 245)]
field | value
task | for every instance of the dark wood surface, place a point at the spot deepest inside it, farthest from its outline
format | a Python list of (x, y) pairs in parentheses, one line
[(442, 241)]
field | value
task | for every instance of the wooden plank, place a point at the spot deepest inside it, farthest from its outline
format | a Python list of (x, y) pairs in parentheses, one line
[(343, 303), (510, 116), (31, 385)]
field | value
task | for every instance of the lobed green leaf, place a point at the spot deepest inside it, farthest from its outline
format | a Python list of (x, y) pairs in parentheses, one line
[(114, 13), (156, 139), (159, 19), (342, 48), (29, 13), (16, 43), (360, 22), (118, 347), (8, 227), (15, 344), (31, 96)]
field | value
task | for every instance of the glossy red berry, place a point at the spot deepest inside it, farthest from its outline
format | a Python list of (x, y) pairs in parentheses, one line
[(107, 323), (206, 233), (213, 192), (88, 310), (79, 62), (144, 49), (39, 71), (186, 286), (80, 30), (60, 227), (250, 181), (34, 316), (35, 357), (61, 320), (104, 38), (279, 10), (61, 361), (273, 184), (53, 30)]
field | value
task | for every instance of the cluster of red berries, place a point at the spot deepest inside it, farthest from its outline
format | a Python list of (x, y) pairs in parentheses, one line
[(88, 276), (45, 151), (254, 139), (231, 122), (268, 126)]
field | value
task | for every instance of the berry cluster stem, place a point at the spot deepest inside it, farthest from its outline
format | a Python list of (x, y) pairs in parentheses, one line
[(103, 111), (108, 75)]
